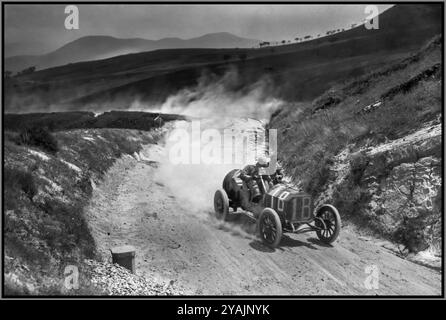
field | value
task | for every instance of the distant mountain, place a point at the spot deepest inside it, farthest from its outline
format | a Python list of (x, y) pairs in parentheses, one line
[(101, 47)]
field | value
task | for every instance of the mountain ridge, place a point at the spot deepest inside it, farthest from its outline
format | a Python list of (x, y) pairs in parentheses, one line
[(95, 47)]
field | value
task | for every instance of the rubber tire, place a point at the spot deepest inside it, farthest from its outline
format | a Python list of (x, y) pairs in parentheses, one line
[(278, 224), (337, 219), (221, 213)]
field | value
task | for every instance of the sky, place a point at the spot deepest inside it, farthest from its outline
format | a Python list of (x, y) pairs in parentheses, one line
[(38, 29)]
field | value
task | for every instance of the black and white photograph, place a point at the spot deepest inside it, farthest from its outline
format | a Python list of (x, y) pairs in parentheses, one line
[(222, 150)]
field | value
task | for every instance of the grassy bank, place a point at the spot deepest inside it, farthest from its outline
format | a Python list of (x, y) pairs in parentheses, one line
[(45, 191), (359, 115)]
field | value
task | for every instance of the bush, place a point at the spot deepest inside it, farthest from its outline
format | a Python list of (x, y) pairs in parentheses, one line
[(350, 199), (98, 160), (328, 100), (358, 164), (125, 145), (65, 227), (319, 176), (84, 184), (27, 71), (410, 233), (39, 137), (15, 179)]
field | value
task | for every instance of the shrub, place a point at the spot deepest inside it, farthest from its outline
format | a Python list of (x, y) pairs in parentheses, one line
[(410, 233), (98, 160), (65, 227), (358, 164), (127, 146), (39, 137), (319, 176), (328, 100), (350, 198), (27, 71), (84, 184), (15, 179)]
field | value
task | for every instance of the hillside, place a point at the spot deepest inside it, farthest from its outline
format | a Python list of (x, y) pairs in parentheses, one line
[(372, 146), (300, 71), (102, 47), (44, 197), (60, 121)]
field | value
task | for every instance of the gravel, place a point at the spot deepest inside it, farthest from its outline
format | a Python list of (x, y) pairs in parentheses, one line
[(113, 279)]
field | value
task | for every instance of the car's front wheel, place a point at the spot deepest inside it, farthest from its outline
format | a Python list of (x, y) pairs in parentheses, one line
[(270, 227), (328, 222)]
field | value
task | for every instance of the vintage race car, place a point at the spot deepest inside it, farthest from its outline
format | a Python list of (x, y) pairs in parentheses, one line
[(282, 208)]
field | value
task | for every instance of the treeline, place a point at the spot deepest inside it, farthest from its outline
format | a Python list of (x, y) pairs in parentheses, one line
[(304, 38)]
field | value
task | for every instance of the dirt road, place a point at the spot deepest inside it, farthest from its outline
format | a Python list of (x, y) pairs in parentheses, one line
[(193, 251)]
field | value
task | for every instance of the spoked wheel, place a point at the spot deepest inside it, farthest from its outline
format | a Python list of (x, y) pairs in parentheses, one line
[(331, 225), (270, 227), (221, 204)]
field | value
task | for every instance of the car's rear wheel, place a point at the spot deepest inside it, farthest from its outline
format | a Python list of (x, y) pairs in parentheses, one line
[(328, 230), (221, 204), (270, 227)]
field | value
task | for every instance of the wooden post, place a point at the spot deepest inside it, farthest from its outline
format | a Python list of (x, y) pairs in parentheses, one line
[(124, 256)]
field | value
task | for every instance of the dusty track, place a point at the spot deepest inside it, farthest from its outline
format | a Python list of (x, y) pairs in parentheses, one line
[(193, 251)]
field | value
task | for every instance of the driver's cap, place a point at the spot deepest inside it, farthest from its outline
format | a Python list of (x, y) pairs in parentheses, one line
[(263, 161)]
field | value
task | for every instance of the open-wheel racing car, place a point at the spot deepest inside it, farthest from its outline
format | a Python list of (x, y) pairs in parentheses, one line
[(282, 208)]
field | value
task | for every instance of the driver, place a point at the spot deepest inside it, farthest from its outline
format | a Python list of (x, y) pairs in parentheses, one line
[(278, 174), (250, 175), (274, 178)]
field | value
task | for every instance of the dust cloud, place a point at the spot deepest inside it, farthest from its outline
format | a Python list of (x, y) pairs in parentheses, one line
[(225, 122), (217, 97)]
